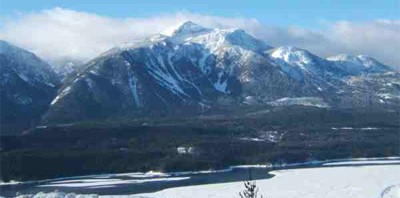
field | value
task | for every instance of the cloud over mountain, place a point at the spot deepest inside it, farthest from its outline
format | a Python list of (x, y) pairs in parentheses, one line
[(62, 33)]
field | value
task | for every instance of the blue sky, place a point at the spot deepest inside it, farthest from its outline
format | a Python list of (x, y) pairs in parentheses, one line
[(305, 13)]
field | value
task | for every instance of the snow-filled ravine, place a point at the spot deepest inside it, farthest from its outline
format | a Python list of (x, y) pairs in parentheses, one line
[(334, 178)]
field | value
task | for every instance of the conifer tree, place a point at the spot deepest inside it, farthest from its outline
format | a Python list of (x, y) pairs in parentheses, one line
[(251, 189)]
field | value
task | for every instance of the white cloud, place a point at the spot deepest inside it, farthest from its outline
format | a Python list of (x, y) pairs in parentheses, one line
[(61, 33), (379, 39)]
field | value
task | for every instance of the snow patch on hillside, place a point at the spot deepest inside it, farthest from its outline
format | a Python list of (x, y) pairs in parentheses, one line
[(221, 84), (61, 95), (304, 101)]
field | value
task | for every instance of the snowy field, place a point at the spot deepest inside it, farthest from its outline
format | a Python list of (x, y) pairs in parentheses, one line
[(377, 181), (331, 182)]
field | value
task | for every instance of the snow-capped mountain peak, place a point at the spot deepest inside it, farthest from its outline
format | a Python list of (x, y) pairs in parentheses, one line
[(184, 28), (214, 38), (190, 68), (358, 64), (368, 61), (302, 65), (362, 60), (241, 38), (292, 55)]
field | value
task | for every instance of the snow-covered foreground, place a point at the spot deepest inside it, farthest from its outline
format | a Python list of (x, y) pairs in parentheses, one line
[(344, 181), (330, 182)]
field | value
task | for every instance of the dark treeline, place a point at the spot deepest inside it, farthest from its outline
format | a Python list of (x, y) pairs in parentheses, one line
[(217, 141)]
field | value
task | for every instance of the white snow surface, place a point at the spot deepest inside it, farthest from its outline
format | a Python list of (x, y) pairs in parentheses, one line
[(332, 182), (378, 181), (292, 56), (357, 64), (352, 128), (305, 101), (391, 192), (363, 162), (101, 183), (57, 194), (187, 27), (150, 174), (221, 85), (63, 93), (360, 60)]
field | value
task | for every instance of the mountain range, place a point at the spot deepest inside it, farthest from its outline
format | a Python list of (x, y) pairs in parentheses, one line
[(190, 70)]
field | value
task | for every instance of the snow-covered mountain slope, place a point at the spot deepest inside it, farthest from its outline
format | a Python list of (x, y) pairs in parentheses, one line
[(188, 68), (27, 86), (28, 66), (356, 65), (304, 66)]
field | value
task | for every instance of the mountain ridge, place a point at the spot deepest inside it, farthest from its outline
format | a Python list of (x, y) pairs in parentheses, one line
[(27, 86), (190, 69)]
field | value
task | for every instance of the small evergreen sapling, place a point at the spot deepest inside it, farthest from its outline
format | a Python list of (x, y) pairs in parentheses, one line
[(251, 189)]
